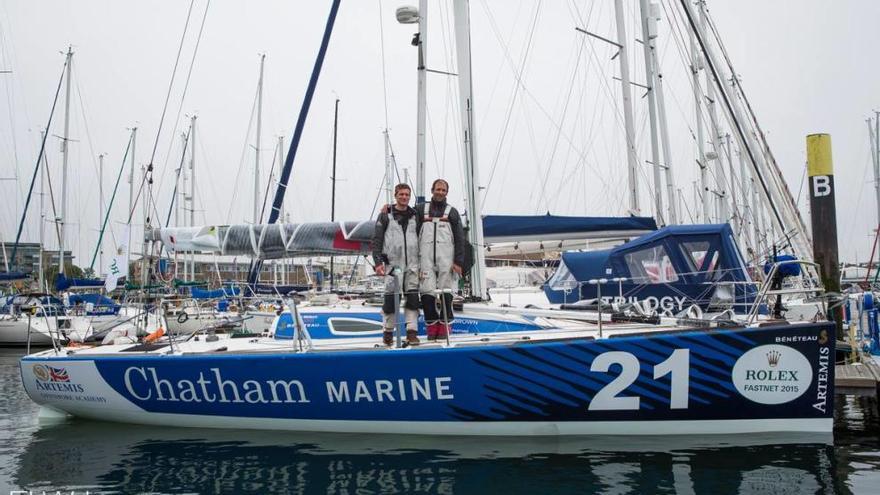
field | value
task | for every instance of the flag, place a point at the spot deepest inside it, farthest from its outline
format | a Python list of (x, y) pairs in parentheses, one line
[(118, 267), (58, 374)]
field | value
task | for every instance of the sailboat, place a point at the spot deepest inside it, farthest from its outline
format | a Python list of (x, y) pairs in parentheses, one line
[(631, 378)]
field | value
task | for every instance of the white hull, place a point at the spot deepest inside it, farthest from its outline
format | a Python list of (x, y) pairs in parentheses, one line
[(14, 332), (452, 428)]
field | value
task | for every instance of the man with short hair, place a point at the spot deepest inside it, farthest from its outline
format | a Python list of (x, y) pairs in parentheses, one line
[(441, 252), (396, 254)]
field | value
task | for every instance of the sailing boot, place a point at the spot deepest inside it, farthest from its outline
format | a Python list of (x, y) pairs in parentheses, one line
[(412, 320), (443, 330), (412, 337), (431, 329), (388, 329)]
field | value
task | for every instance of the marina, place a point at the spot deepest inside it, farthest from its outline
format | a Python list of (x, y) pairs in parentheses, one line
[(501, 247)]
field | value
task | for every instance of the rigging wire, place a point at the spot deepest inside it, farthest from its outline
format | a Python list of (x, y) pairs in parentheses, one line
[(241, 159), (192, 64), (113, 197), (177, 180), (37, 166), (382, 53), (266, 192), (82, 105), (555, 147), (164, 110), (516, 88)]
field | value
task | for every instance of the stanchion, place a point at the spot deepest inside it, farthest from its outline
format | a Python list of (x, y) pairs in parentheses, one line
[(447, 326), (598, 283)]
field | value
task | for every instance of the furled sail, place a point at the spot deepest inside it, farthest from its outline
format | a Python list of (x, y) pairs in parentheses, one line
[(273, 241), (270, 241)]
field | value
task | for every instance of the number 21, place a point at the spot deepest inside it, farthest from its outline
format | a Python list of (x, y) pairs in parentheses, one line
[(676, 365)]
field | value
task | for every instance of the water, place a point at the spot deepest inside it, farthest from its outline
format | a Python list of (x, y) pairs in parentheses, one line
[(84, 456)]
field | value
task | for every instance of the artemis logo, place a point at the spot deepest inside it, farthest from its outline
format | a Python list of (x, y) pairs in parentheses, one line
[(52, 379)]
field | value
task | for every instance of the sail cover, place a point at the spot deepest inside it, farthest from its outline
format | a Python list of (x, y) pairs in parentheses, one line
[(520, 228), (279, 240), (13, 276)]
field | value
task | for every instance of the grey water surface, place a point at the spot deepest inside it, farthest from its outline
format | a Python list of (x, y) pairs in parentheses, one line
[(78, 457)]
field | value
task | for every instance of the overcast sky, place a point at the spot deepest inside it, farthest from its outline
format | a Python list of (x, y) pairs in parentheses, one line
[(549, 127)]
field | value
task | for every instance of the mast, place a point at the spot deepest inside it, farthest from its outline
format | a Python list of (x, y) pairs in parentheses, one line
[(180, 192), (653, 17), (298, 130), (40, 279), (650, 81), (389, 177), (746, 217), (474, 216), (696, 66), (737, 219), (422, 112), (631, 157), (145, 274), (192, 192), (64, 154), (100, 212), (284, 261), (874, 137), (131, 187), (333, 179), (721, 177), (783, 213), (257, 203)]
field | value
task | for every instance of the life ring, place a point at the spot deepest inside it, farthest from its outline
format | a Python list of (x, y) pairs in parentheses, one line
[(149, 339), (182, 317)]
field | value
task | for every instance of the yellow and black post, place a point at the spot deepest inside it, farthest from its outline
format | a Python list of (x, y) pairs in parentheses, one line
[(823, 214)]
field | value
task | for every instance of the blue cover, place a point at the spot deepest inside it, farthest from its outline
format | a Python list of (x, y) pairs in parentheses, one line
[(522, 227), (786, 270), (96, 299), (10, 276), (103, 305), (64, 283), (696, 279), (214, 294)]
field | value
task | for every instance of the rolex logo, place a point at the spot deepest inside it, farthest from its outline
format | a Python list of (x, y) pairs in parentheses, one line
[(773, 358)]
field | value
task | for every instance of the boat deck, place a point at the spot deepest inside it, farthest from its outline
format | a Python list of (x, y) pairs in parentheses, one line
[(249, 345)]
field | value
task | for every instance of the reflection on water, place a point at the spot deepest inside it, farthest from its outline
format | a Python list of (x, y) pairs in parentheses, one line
[(134, 459), (105, 457)]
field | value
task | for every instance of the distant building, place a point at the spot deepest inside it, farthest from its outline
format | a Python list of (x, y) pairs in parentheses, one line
[(27, 257)]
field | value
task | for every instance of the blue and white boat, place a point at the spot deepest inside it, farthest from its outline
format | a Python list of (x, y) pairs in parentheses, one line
[(623, 379)]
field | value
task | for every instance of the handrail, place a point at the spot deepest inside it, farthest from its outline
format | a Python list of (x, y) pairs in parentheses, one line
[(766, 291)]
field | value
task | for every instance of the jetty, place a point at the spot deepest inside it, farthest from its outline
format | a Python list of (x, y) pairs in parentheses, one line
[(859, 378)]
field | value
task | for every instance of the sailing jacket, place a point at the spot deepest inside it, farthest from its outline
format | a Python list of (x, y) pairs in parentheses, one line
[(442, 243), (396, 244)]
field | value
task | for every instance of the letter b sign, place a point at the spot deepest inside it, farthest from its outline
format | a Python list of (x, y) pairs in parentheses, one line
[(821, 186)]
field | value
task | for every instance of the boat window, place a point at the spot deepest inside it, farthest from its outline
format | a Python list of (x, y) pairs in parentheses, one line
[(695, 254), (562, 278), (650, 266), (353, 326)]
